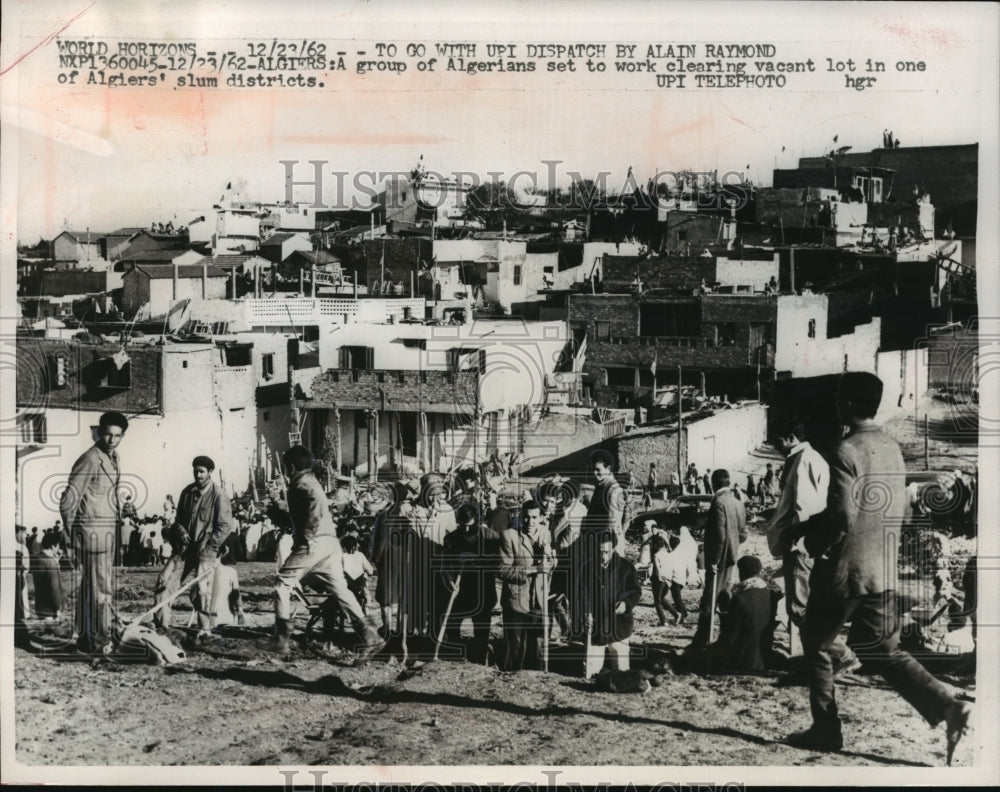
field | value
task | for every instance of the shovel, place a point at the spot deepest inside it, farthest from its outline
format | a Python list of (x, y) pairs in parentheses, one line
[(137, 621), (590, 664), (447, 615)]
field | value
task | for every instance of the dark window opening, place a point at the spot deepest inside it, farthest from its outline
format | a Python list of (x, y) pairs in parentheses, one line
[(603, 330), (621, 377), (408, 433), (357, 358), (670, 319), (267, 365), (58, 371), (517, 274), (237, 355), (812, 328), (118, 378)]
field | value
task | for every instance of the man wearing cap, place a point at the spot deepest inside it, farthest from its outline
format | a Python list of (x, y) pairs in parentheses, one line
[(203, 520), (90, 513)]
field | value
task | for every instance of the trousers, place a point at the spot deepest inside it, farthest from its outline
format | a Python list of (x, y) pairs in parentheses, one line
[(796, 568), (94, 599), (319, 566), (874, 636), (171, 578)]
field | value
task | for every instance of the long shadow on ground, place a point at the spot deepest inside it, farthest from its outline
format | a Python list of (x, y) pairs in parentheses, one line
[(332, 685)]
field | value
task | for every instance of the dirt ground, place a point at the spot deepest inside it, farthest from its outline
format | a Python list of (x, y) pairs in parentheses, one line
[(234, 703)]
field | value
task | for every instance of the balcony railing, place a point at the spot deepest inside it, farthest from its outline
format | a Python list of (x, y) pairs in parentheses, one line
[(656, 341)]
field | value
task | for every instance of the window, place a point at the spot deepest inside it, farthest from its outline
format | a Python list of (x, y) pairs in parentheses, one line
[(237, 354), (725, 334), (603, 330), (845, 362), (876, 195), (517, 274), (357, 358), (812, 328), (34, 429), (267, 365), (117, 378), (621, 377), (267, 415), (58, 367)]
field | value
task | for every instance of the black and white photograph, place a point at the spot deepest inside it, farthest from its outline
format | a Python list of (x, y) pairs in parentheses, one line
[(508, 393)]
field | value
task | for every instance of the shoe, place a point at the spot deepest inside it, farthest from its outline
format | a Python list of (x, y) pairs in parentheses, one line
[(279, 646), (680, 619), (957, 718), (812, 739), (846, 667), (367, 651)]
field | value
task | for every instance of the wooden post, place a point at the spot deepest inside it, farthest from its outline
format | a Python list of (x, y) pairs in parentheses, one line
[(233, 281), (313, 278), (339, 457), (302, 290), (791, 269), (680, 427), (927, 465)]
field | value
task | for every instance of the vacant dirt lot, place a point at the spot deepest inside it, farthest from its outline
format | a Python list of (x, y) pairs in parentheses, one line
[(233, 703)]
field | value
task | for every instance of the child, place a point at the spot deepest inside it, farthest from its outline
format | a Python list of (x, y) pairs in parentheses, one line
[(670, 572), (226, 602), (48, 585), (356, 570)]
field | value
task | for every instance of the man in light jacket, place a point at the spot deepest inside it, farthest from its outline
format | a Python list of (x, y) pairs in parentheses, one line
[(91, 512), (805, 480)]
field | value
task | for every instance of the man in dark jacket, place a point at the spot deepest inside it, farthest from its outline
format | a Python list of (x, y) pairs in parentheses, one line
[(610, 590), (852, 581), (471, 550), (724, 532), (90, 513), (203, 520)]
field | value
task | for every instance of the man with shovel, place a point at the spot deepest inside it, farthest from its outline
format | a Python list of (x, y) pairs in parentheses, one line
[(469, 563), (203, 520)]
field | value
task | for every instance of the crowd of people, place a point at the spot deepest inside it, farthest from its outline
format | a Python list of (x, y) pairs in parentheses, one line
[(554, 561)]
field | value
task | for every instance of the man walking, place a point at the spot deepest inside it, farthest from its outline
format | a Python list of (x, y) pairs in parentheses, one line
[(316, 557), (724, 532), (850, 579), (203, 520), (805, 480), (90, 513)]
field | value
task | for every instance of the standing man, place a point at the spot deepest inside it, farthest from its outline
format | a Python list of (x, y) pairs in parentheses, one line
[(90, 513), (850, 579), (604, 514), (525, 558), (470, 551), (610, 592), (805, 480), (316, 557), (724, 532), (203, 520)]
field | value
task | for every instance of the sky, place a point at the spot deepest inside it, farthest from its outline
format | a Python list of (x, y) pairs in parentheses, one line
[(99, 157)]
